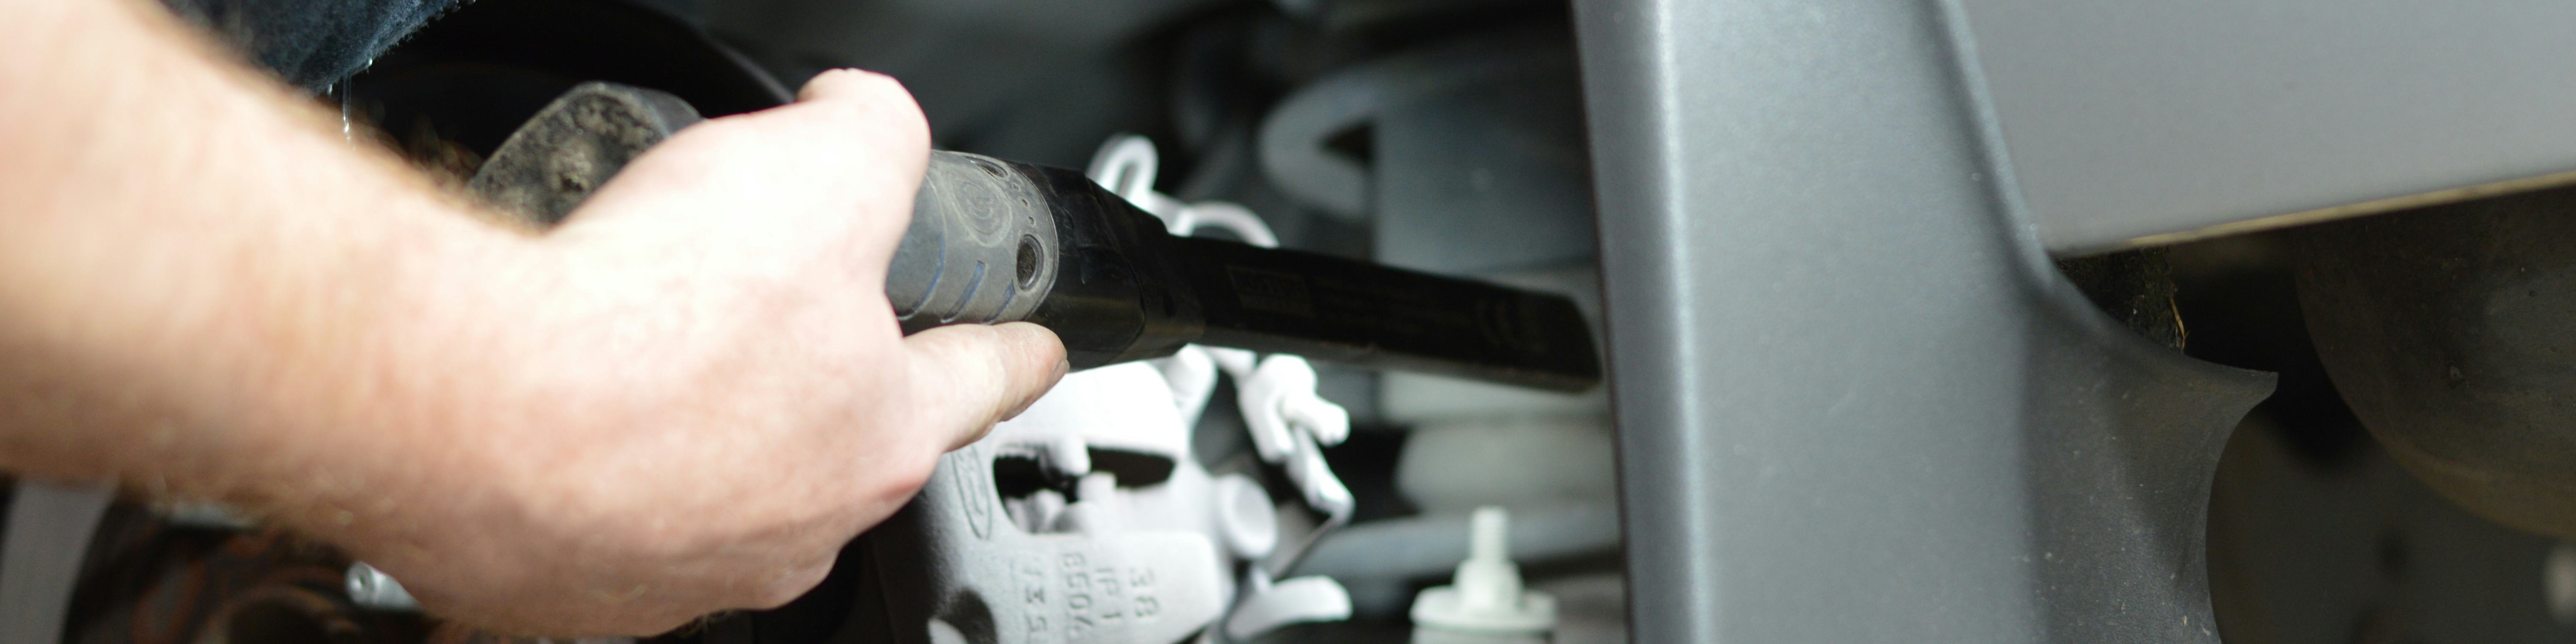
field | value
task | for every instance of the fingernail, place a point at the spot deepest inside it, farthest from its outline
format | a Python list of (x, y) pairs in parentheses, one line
[(1063, 367)]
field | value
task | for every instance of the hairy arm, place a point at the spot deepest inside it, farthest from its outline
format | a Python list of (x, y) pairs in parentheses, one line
[(191, 253), (682, 401)]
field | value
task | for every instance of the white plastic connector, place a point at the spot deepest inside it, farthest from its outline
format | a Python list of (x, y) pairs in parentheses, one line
[(1268, 606), (1192, 377), (1127, 165), (1486, 597), (1288, 421), (1290, 424), (1095, 508), (1279, 402), (1244, 517)]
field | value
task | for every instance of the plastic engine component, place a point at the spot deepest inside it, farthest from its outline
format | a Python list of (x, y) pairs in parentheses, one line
[(1486, 599)]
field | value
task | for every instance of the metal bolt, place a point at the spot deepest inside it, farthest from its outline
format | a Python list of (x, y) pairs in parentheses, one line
[(2558, 582), (373, 589)]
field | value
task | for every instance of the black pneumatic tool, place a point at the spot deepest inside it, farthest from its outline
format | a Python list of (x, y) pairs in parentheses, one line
[(993, 241)]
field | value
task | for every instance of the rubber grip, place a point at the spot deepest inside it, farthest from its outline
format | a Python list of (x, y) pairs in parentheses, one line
[(981, 248)]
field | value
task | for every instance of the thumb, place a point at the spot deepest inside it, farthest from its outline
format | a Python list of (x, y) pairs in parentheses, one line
[(967, 377)]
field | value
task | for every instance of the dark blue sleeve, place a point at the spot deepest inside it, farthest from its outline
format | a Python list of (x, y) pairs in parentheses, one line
[(312, 43)]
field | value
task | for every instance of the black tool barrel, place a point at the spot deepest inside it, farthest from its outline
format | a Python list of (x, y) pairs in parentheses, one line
[(1118, 296), (1338, 310)]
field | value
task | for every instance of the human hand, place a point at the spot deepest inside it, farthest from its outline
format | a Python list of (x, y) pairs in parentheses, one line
[(686, 399), (690, 395)]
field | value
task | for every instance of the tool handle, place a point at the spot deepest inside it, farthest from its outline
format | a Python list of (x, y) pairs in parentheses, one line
[(988, 240), (981, 246)]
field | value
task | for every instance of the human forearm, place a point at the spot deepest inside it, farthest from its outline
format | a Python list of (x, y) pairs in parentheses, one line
[(192, 249)]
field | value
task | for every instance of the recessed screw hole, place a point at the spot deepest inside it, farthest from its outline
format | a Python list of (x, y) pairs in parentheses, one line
[(1028, 262)]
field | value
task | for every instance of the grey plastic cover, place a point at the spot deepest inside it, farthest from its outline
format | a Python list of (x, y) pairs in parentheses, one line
[(1856, 403)]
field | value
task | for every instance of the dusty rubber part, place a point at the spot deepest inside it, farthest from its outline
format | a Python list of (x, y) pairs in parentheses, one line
[(2448, 330)]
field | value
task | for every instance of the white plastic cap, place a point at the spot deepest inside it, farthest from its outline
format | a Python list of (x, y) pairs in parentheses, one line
[(1486, 596)]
